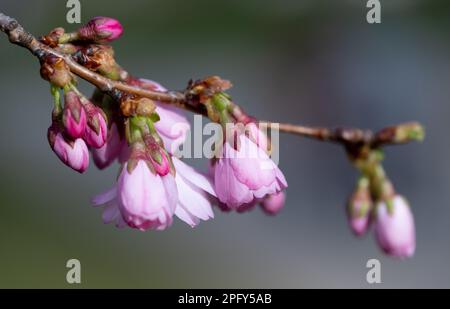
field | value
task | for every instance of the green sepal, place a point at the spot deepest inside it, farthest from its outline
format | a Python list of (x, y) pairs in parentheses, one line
[(56, 99)]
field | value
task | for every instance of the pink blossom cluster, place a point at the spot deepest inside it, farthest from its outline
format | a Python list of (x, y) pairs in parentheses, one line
[(147, 195), (154, 185), (82, 125)]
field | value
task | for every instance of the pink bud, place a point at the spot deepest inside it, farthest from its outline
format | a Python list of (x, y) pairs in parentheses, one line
[(101, 29), (394, 228), (74, 154), (96, 131), (273, 204), (162, 166), (74, 116), (359, 208)]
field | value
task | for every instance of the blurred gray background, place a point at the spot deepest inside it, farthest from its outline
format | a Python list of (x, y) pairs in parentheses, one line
[(311, 62)]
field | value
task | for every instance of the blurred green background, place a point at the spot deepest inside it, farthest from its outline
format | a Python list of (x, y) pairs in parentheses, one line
[(312, 62)]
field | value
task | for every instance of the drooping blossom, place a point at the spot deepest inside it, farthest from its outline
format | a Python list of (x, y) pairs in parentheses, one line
[(246, 174), (394, 228), (142, 199)]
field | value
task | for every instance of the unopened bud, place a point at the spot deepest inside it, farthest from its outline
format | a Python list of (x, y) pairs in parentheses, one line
[(74, 115), (359, 208), (96, 131), (402, 133), (273, 204), (101, 30), (73, 153), (394, 227)]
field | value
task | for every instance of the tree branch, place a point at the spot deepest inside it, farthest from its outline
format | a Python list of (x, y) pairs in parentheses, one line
[(346, 136)]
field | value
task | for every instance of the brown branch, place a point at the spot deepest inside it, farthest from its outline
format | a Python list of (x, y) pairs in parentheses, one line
[(347, 136)]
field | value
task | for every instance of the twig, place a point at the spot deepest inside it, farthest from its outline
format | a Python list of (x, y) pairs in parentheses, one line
[(347, 136)]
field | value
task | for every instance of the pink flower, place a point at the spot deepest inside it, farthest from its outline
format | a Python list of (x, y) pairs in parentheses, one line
[(101, 29), (144, 200), (395, 231), (96, 131), (194, 192), (74, 154), (273, 204), (74, 116), (173, 126), (242, 175), (110, 151)]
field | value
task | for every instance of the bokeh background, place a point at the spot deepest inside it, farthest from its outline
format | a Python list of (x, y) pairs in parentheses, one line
[(311, 62)]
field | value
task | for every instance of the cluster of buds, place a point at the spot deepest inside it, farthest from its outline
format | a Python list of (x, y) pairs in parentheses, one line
[(375, 201), (77, 125)]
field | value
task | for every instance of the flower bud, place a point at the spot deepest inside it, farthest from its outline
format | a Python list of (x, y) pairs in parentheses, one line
[(158, 157), (359, 208), (96, 131), (74, 116), (394, 227), (101, 30), (74, 154), (273, 204)]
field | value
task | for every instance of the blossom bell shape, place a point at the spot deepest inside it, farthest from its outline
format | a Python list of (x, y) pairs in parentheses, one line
[(141, 199), (394, 228), (73, 153), (246, 174), (101, 30), (74, 115)]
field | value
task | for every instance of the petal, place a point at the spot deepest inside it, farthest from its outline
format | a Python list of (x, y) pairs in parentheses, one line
[(193, 200), (185, 216), (104, 197), (110, 212), (190, 175)]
